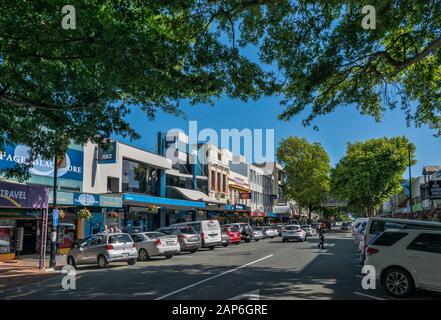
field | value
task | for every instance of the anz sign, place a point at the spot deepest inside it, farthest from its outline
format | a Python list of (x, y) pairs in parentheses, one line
[(72, 166)]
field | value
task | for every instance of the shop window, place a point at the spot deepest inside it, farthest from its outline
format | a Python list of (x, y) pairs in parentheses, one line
[(140, 178), (7, 236)]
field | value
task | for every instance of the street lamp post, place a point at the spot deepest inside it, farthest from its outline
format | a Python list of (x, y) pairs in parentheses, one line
[(52, 261), (410, 181)]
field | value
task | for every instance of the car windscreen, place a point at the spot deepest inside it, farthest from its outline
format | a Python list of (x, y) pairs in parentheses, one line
[(187, 230), (306, 227), (120, 238), (234, 229), (292, 228)]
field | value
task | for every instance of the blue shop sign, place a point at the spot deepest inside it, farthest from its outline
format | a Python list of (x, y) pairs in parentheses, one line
[(87, 200), (72, 167)]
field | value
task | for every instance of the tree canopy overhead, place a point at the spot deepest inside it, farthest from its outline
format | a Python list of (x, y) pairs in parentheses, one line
[(81, 83), (307, 170), (371, 172), (152, 54)]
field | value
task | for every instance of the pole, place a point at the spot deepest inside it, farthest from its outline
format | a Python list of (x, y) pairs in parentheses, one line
[(410, 182), (52, 261)]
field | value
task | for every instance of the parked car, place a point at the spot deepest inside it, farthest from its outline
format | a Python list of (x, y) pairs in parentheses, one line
[(357, 224), (257, 235), (405, 260), (293, 232), (233, 234), (151, 244), (102, 249), (310, 231), (268, 232), (225, 239), (209, 231), (344, 226), (188, 238), (246, 232)]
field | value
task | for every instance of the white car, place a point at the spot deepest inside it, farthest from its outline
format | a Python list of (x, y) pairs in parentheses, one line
[(310, 231), (293, 232), (405, 260), (151, 244), (357, 224)]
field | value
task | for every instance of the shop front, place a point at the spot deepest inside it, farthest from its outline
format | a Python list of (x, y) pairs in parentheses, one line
[(257, 218), (146, 213), (21, 211), (72, 227)]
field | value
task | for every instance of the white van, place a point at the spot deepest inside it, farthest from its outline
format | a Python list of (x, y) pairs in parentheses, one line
[(209, 230)]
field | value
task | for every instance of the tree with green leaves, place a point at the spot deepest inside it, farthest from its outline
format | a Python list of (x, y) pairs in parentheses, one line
[(371, 172), (81, 83), (307, 172)]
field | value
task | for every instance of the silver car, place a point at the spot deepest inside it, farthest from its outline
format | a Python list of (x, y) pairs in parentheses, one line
[(189, 239), (151, 244), (257, 235), (102, 249)]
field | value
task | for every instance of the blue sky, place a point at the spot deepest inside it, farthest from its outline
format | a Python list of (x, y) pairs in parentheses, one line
[(335, 129)]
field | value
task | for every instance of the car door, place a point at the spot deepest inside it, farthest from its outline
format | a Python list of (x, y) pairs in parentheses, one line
[(149, 243), (81, 255), (91, 251), (424, 252)]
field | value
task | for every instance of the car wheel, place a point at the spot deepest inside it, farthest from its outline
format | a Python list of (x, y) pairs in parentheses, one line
[(247, 240), (143, 255), (211, 248), (284, 240), (71, 262), (169, 255), (102, 262), (225, 245), (256, 240), (237, 243), (398, 282), (193, 251), (131, 262)]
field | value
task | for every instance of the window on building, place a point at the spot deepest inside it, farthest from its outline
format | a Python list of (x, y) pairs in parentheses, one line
[(224, 183), (213, 180), (139, 177), (218, 182), (112, 185)]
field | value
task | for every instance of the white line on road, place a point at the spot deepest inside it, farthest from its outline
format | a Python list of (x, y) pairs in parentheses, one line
[(366, 295), (213, 277)]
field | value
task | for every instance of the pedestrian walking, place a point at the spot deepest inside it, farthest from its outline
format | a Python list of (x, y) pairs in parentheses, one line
[(321, 237), (106, 229)]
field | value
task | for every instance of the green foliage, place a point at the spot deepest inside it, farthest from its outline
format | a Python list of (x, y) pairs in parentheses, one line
[(307, 171), (81, 83), (371, 172)]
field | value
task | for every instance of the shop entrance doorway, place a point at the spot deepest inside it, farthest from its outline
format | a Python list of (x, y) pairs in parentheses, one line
[(29, 235)]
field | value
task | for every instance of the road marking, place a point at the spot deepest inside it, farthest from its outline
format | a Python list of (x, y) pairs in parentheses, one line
[(213, 277), (366, 295), (252, 295)]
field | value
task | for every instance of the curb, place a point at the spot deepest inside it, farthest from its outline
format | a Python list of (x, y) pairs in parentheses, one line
[(20, 289)]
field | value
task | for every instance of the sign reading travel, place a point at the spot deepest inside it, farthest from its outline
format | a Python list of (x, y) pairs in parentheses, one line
[(107, 155), (14, 195), (435, 189), (70, 166), (87, 200)]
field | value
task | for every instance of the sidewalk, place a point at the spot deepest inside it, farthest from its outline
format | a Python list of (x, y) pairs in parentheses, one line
[(23, 272)]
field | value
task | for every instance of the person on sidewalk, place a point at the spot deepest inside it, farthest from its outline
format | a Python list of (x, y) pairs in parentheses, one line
[(321, 237)]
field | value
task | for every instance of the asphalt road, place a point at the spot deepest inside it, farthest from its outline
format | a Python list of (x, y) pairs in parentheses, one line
[(268, 269)]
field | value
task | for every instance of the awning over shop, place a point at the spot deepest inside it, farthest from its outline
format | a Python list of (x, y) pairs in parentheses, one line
[(282, 209), (168, 203), (193, 195), (87, 199)]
